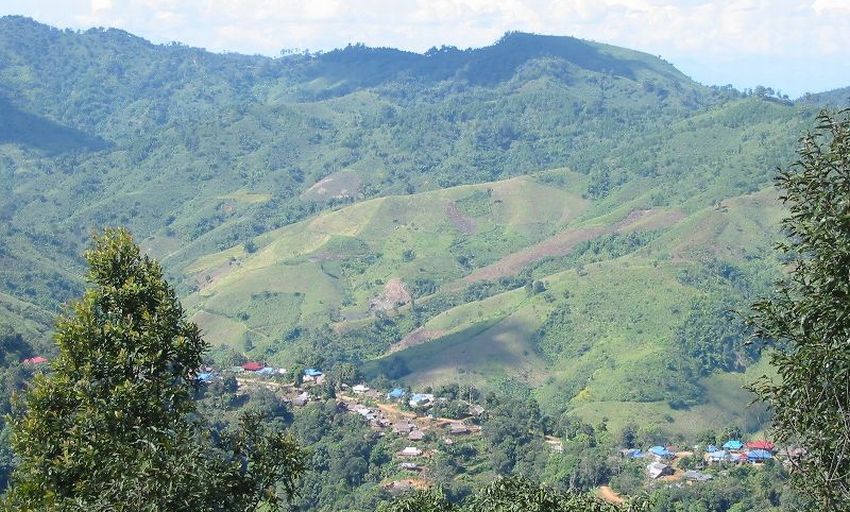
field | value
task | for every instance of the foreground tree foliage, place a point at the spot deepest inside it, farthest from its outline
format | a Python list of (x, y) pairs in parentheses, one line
[(112, 427), (808, 319), (511, 494)]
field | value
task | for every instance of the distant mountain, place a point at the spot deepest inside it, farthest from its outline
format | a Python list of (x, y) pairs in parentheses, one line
[(835, 98), (546, 210), (358, 66)]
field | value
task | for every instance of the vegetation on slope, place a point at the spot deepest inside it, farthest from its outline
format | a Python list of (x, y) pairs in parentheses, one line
[(567, 208)]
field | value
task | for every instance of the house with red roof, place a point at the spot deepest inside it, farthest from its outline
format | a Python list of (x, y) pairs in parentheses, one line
[(36, 360), (253, 366), (761, 445)]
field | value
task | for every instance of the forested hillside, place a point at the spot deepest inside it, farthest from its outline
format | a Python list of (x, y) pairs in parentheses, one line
[(565, 215), (203, 151)]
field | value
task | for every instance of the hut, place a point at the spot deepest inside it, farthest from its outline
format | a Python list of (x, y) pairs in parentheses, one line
[(658, 469), (733, 445), (410, 451)]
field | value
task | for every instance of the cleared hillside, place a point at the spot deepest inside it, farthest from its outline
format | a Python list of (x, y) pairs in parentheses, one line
[(566, 215)]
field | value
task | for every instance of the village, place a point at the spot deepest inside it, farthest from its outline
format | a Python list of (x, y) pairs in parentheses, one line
[(406, 416), (395, 412)]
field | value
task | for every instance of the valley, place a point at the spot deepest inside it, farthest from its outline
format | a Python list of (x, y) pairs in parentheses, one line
[(568, 230)]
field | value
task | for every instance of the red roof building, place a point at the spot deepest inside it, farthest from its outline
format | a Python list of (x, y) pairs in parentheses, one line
[(36, 360), (253, 366), (761, 445)]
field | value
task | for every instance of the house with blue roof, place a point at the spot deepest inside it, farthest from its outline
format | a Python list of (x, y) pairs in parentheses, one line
[(396, 394), (759, 455), (661, 452), (312, 372), (733, 444), (205, 377)]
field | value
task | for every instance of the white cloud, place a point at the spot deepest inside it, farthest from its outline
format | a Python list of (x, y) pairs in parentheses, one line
[(101, 5), (830, 5)]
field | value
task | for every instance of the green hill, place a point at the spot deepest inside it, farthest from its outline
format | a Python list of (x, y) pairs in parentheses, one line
[(345, 265), (448, 276), (569, 215), (608, 333), (200, 151)]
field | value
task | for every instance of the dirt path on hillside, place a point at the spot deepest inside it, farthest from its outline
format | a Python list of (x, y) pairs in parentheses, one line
[(393, 410), (564, 242), (608, 494), (416, 337)]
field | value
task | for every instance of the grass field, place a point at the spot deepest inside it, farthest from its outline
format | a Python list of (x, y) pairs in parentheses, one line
[(623, 314), (339, 261)]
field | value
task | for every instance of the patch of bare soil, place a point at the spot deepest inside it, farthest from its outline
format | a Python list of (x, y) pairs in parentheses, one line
[(417, 337), (338, 185), (564, 242), (608, 494), (210, 276), (558, 245), (395, 294), (461, 221)]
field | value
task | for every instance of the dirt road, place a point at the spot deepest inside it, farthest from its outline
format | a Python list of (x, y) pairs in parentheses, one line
[(608, 494)]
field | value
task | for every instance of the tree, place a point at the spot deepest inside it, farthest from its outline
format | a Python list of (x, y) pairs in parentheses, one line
[(808, 318), (112, 426), (511, 494), (345, 373), (629, 436), (431, 500)]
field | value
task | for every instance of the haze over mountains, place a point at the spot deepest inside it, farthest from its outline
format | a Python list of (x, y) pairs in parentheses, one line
[(547, 211)]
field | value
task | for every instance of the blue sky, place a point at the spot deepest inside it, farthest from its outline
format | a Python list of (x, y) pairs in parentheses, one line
[(791, 45)]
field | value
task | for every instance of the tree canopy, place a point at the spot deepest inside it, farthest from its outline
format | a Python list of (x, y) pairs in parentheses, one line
[(511, 494), (808, 318), (112, 426)]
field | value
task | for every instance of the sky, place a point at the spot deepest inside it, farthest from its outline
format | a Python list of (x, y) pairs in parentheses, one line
[(795, 46)]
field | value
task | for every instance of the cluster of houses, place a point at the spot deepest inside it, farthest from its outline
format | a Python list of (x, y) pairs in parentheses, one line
[(736, 451), (378, 420), (208, 374), (732, 451), (411, 430)]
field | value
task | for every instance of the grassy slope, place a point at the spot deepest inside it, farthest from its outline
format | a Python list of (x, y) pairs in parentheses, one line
[(330, 267), (197, 152), (624, 314)]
